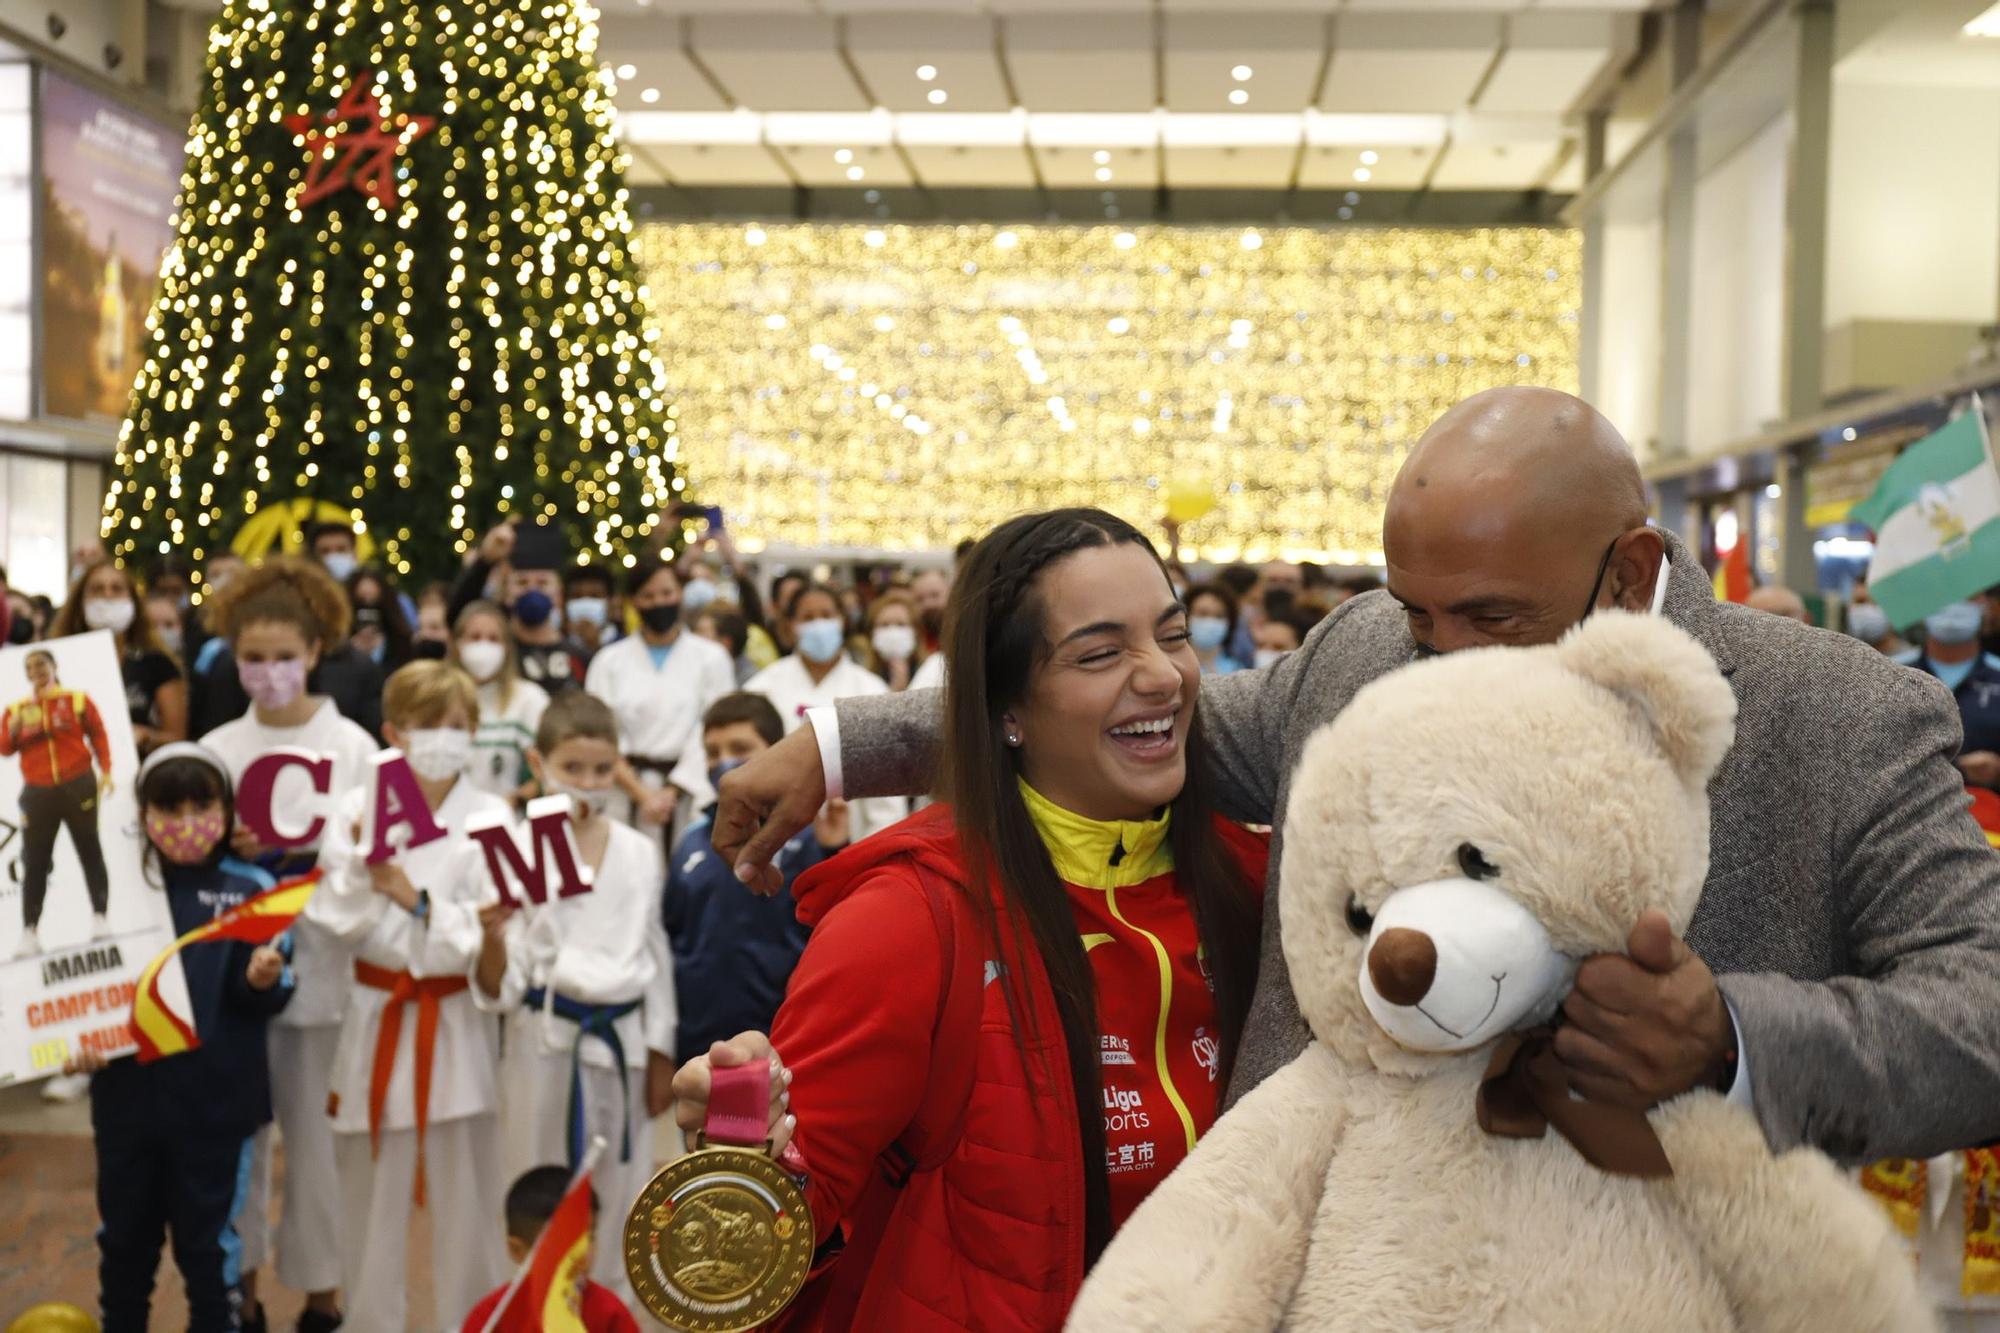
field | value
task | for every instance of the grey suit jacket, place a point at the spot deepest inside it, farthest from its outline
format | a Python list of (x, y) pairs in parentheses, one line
[(1852, 907)]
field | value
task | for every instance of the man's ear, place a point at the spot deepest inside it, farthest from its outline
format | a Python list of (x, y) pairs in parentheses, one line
[(1640, 559)]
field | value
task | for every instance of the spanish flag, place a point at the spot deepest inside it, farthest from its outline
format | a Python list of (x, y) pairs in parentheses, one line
[(159, 1030), (546, 1295), (1732, 574)]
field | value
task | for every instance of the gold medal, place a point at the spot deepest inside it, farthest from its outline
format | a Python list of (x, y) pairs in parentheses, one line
[(721, 1240)]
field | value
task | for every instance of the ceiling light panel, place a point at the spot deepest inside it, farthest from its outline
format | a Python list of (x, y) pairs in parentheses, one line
[(1203, 51), (890, 49)]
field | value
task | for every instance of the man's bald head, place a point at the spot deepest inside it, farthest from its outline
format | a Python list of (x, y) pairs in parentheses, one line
[(1505, 509)]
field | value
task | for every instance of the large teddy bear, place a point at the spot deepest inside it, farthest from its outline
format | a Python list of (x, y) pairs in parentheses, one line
[(1464, 834)]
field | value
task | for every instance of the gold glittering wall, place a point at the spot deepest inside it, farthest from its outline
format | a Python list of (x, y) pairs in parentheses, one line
[(903, 387)]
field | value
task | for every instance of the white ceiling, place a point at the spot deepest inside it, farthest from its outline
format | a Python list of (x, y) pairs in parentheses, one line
[(1495, 84)]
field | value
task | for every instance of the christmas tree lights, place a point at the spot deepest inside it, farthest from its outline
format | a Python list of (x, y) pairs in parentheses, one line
[(401, 288)]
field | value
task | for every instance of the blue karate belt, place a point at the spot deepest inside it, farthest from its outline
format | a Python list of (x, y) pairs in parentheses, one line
[(592, 1020)]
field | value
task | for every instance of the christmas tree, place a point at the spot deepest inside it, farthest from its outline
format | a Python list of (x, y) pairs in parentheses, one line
[(401, 290)]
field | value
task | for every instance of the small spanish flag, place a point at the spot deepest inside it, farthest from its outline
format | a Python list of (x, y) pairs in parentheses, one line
[(546, 1295), (1732, 574), (159, 1030)]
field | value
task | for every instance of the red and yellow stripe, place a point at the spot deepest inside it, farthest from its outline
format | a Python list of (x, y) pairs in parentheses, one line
[(160, 1031)]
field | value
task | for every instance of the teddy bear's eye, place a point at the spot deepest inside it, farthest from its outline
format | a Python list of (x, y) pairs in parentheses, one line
[(1473, 863), (1359, 919)]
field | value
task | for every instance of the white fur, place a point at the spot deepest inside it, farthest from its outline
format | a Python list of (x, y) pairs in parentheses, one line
[(1354, 1190)]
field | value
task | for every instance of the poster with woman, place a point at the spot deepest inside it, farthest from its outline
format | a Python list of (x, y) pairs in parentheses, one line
[(78, 921)]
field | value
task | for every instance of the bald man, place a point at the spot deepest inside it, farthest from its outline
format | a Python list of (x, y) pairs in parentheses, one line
[(1779, 601), (1842, 971)]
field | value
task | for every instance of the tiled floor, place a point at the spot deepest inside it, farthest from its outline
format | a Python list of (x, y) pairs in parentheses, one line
[(48, 1222)]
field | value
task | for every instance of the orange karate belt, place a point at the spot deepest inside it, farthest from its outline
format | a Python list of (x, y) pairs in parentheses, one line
[(428, 994)]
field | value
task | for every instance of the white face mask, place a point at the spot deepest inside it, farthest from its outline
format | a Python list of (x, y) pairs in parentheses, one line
[(590, 804), (341, 565), (897, 643), (1271, 656), (483, 658), (112, 613), (437, 753)]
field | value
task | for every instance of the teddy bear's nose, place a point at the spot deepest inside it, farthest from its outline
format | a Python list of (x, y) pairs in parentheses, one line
[(1401, 964)]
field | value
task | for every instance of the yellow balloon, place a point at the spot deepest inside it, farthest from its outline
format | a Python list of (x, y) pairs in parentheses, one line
[(1189, 499), (53, 1317)]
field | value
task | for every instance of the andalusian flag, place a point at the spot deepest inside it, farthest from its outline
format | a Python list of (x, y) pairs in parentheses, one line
[(160, 1028), (1936, 516), (546, 1295)]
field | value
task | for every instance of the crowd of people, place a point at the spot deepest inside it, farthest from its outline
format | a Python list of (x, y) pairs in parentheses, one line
[(533, 673)]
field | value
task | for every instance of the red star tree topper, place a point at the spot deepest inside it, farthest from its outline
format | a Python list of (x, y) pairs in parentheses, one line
[(355, 145)]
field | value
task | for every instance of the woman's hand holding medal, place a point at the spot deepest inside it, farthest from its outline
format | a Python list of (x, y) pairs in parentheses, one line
[(692, 1083)]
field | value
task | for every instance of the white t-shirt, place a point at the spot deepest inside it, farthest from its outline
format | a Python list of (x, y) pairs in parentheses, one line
[(792, 690), (320, 966), (506, 733), (659, 708)]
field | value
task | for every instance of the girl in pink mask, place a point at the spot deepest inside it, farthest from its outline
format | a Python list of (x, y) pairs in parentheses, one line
[(173, 1137), (277, 618)]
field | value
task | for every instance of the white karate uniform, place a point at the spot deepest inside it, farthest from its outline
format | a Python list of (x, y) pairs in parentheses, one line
[(792, 690), (1940, 1247), (506, 733), (659, 708), (605, 947), (461, 1148), (303, 1035)]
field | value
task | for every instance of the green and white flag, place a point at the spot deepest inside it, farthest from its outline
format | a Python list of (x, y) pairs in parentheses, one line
[(1936, 516)]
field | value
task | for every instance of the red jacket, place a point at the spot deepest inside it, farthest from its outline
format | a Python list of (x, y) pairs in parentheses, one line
[(883, 1041), (55, 735)]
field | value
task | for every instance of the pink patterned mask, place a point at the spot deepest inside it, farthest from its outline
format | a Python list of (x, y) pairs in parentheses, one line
[(186, 840), (273, 684)]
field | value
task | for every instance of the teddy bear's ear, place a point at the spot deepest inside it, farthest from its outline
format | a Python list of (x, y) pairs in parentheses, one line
[(1669, 677)]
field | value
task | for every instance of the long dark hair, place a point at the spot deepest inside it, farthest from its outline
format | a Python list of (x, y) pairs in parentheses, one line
[(996, 639)]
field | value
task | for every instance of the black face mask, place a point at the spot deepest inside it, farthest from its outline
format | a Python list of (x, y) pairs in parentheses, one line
[(660, 619), (430, 649), (21, 631)]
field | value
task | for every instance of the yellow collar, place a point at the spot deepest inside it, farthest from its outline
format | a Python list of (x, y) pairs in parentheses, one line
[(1087, 852)]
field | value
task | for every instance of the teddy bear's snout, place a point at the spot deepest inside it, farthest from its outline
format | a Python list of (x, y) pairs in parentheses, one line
[(1402, 963)]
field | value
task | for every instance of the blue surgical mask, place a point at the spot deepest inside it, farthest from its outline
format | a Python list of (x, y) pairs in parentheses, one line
[(587, 610), (699, 593), (1953, 674), (1207, 632), (1955, 624), (820, 641), (716, 773), (1867, 622), (534, 608)]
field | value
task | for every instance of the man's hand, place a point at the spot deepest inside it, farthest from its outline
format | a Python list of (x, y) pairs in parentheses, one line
[(1981, 768), (765, 804), (1645, 1025), (498, 544), (266, 966), (835, 825), (691, 1085), (659, 1084)]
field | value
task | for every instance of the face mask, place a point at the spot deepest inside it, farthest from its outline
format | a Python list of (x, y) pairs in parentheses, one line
[(533, 609), (437, 753), (1280, 602), (590, 803), (1270, 657), (660, 619), (1867, 622), (897, 643), (430, 650), (172, 639), (933, 622), (1953, 674), (1597, 582), (341, 565), (22, 630), (1955, 624), (820, 640), (112, 613), (482, 658), (185, 840), (273, 685), (698, 594), (587, 610), (727, 766), (1206, 633)]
